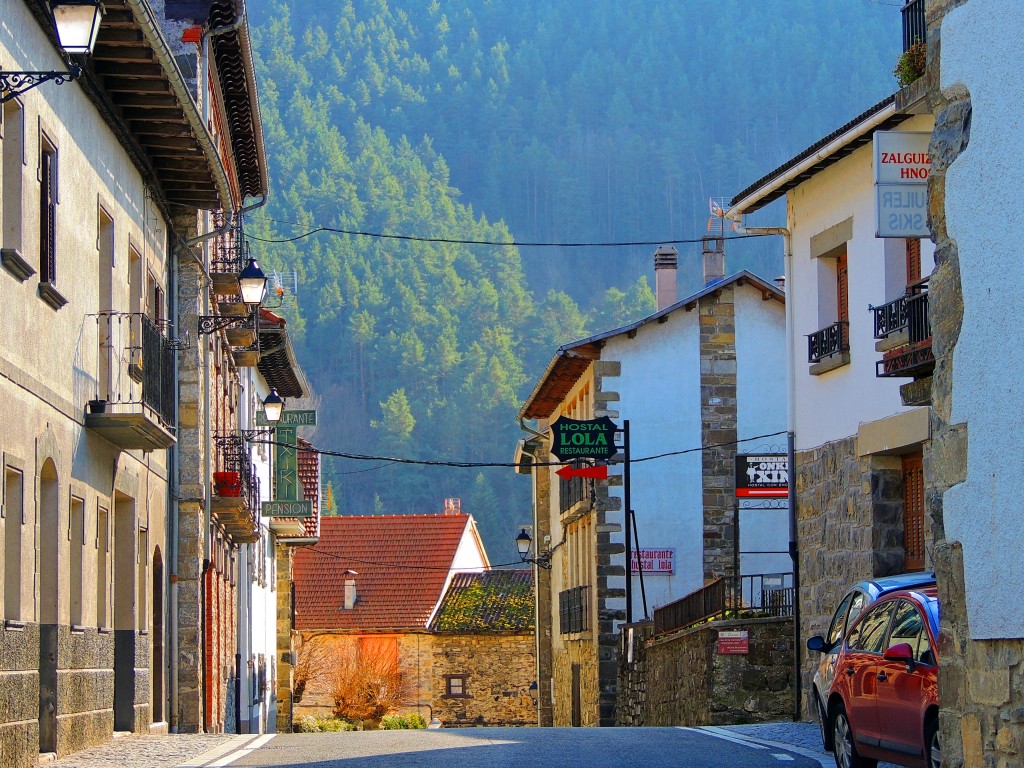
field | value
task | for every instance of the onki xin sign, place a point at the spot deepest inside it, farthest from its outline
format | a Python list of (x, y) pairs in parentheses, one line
[(654, 560), (902, 167), (764, 476)]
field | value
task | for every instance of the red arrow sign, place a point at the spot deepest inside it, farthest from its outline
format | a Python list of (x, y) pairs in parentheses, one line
[(594, 473)]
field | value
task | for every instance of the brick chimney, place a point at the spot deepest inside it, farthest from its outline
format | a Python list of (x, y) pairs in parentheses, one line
[(350, 590), (453, 506), (714, 259), (666, 263)]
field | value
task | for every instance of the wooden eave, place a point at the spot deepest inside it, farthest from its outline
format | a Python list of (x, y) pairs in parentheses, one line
[(558, 380), (134, 92)]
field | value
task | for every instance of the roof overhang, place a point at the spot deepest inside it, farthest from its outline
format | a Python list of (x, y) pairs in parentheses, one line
[(278, 363), (820, 155), (135, 83)]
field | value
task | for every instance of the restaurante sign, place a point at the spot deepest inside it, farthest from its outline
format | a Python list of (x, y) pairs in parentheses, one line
[(583, 439)]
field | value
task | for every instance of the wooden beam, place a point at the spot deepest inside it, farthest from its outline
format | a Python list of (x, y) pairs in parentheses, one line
[(135, 69), (154, 114), (131, 85)]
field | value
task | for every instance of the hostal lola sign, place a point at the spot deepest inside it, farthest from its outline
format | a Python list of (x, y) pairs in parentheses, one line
[(583, 439)]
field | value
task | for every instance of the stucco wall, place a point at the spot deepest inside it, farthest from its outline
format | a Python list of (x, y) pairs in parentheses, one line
[(844, 190), (985, 180)]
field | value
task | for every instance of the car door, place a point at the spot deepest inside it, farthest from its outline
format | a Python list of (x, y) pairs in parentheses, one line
[(858, 670), (903, 688)]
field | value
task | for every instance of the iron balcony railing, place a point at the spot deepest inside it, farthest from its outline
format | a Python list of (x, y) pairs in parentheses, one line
[(828, 341), (890, 317), (135, 365), (761, 595), (915, 358), (234, 473), (574, 610), (914, 30)]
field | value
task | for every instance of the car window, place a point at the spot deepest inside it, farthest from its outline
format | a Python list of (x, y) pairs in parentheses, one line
[(908, 626), (869, 634), (856, 606), (838, 625)]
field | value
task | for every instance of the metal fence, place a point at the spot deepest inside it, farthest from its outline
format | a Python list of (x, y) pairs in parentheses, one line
[(762, 594), (914, 29), (135, 363), (828, 341)]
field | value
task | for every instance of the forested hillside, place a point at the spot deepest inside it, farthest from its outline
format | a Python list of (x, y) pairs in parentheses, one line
[(533, 120)]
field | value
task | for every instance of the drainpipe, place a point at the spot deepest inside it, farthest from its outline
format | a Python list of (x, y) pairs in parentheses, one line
[(787, 240)]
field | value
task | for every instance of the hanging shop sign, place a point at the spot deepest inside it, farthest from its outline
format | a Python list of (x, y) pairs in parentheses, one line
[(288, 419), (301, 508), (902, 167), (654, 560), (583, 439), (733, 642), (762, 476)]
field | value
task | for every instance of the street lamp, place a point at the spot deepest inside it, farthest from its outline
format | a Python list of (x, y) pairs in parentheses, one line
[(524, 544), (273, 407), (253, 283), (77, 23)]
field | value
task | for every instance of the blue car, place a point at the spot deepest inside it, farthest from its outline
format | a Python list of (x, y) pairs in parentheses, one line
[(862, 595)]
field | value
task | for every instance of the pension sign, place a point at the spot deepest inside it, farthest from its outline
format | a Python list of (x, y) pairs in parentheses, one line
[(583, 439)]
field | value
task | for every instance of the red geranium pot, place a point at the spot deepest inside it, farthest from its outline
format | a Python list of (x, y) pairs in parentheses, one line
[(227, 483)]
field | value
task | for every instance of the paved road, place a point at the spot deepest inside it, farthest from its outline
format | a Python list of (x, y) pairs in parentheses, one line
[(521, 748)]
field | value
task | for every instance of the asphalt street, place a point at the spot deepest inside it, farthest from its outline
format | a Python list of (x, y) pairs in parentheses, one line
[(526, 748)]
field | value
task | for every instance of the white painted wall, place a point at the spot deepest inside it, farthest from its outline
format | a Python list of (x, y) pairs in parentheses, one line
[(984, 217), (832, 405)]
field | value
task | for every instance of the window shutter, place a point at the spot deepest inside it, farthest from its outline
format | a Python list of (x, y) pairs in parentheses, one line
[(47, 222), (913, 512), (913, 260)]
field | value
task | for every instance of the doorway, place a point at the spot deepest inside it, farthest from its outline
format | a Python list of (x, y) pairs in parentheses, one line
[(157, 668), (49, 539), (125, 539)]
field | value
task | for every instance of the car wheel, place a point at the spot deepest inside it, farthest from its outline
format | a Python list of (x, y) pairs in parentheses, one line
[(843, 747), (933, 750), (823, 726)]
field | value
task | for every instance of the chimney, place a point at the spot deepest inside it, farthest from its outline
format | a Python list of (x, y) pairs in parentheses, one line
[(453, 506), (350, 590), (666, 262), (714, 259)]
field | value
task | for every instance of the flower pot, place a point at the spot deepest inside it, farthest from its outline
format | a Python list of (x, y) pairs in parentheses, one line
[(97, 406), (227, 483)]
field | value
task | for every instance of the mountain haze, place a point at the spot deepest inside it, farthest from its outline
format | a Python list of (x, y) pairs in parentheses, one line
[(529, 121)]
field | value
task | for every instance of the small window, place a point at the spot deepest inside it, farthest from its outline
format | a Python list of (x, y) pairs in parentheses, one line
[(455, 685), (869, 635), (47, 212)]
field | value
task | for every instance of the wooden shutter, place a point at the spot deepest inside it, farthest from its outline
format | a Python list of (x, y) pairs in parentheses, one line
[(913, 260), (47, 220), (913, 512), (842, 289)]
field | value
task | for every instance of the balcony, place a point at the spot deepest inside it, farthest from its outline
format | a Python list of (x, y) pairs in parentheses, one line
[(905, 320), (829, 348), (762, 595), (134, 403), (914, 28), (235, 499)]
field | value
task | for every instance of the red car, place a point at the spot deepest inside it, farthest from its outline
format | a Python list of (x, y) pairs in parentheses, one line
[(883, 701)]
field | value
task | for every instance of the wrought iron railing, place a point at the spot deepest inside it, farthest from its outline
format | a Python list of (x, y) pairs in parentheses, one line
[(919, 327), (135, 365), (574, 610), (890, 317), (760, 595), (234, 470), (914, 29), (828, 341)]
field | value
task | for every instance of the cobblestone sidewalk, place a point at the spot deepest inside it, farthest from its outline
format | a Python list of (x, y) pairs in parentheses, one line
[(134, 751)]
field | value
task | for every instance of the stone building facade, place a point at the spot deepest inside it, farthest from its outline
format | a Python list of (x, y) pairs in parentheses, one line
[(975, 93)]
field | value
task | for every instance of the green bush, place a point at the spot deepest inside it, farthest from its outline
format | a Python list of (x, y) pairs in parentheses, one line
[(310, 724), (911, 64), (402, 722)]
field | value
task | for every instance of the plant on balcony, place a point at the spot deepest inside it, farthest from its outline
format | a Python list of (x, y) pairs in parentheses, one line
[(911, 64), (227, 483)]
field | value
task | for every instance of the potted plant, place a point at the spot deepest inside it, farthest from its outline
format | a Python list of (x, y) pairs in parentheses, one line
[(97, 406), (911, 64), (227, 483)]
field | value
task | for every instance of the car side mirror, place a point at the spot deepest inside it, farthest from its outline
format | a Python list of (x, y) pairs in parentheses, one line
[(900, 652), (817, 643)]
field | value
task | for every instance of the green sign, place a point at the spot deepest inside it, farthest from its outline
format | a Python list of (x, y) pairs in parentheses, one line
[(288, 508), (288, 419), (286, 465), (583, 439)]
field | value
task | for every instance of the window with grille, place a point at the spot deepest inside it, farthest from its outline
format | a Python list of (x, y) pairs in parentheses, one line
[(913, 512)]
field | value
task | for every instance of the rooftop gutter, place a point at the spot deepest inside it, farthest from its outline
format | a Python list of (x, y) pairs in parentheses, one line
[(150, 26)]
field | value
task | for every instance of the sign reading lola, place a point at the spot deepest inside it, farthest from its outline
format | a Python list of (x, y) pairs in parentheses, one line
[(583, 439), (762, 477)]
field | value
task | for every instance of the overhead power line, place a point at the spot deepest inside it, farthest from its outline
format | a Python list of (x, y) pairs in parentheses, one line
[(469, 241)]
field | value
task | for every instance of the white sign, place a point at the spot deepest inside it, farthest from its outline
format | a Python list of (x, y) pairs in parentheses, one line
[(654, 560), (902, 167)]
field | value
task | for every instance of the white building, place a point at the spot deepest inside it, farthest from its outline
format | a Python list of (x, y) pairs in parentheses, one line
[(862, 360), (692, 380)]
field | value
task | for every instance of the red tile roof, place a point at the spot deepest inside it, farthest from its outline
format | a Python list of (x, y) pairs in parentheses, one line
[(402, 564)]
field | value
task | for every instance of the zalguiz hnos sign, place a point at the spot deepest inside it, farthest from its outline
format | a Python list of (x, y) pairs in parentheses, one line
[(583, 439)]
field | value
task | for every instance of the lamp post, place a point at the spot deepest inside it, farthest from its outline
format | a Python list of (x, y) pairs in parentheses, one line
[(77, 23), (524, 543), (273, 409), (253, 284)]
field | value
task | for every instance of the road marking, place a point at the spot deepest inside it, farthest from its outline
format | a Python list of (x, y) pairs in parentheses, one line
[(232, 744), (750, 741), (725, 735), (781, 756), (247, 749)]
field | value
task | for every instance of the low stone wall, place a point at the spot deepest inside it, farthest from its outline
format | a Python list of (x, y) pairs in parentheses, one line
[(681, 679)]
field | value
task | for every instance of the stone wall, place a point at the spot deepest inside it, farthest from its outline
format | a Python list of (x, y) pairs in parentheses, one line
[(718, 427), (499, 669), (981, 693), (285, 642), (849, 528), (19, 696), (679, 679), (585, 654)]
